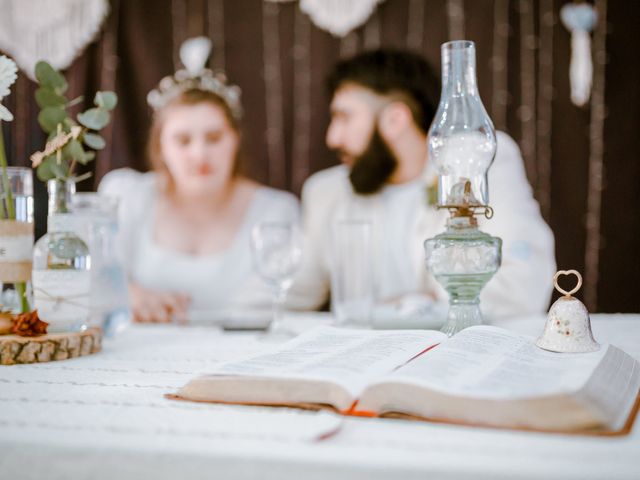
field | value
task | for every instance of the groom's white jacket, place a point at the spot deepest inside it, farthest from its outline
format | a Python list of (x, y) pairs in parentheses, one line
[(402, 220)]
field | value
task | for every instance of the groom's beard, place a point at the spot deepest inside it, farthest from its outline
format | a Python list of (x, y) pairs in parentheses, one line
[(372, 168)]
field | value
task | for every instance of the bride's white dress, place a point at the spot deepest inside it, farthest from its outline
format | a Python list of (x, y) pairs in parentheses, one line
[(222, 286)]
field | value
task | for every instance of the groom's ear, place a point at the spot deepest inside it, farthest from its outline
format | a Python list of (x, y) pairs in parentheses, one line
[(393, 120)]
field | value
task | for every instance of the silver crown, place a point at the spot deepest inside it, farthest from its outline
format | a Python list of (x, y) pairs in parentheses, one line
[(193, 54)]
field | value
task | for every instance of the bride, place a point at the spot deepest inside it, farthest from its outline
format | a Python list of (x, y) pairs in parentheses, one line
[(185, 226)]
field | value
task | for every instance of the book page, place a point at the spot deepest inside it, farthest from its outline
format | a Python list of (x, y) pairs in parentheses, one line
[(350, 358), (613, 388), (492, 363)]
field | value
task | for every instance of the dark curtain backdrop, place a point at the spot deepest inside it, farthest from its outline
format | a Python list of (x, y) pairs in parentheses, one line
[(582, 162)]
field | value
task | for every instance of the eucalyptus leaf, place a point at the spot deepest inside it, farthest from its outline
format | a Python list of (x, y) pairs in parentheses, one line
[(44, 171), (94, 118), (106, 100), (95, 141), (68, 123), (47, 97), (86, 158), (50, 117), (60, 170), (50, 77), (73, 150)]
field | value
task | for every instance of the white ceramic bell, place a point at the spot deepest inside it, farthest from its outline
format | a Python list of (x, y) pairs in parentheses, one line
[(568, 327)]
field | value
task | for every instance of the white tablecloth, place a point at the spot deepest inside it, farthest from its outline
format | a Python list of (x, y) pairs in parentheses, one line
[(105, 417)]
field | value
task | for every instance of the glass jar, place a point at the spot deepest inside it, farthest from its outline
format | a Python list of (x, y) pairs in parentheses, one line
[(16, 239), (61, 266)]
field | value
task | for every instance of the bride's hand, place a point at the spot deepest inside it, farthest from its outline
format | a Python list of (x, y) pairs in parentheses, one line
[(150, 306)]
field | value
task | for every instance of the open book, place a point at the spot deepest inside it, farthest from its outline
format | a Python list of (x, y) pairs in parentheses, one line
[(482, 376)]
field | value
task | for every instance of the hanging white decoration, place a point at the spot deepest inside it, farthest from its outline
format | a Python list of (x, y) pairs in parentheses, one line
[(194, 53), (580, 19), (57, 31), (339, 17)]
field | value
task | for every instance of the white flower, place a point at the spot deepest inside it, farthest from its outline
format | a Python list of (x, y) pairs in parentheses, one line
[(8, 75)]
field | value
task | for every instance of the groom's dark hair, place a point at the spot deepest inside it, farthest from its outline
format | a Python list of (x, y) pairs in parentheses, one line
[(398, 73)]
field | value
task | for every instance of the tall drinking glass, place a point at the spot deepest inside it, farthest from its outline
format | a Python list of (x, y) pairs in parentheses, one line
[(352, 273), (277, 254), (97, 224)]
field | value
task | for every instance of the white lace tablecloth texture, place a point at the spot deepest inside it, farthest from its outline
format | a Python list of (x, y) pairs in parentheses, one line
[(105, 416)]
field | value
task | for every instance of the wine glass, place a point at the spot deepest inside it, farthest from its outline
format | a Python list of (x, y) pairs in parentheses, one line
[(277, 253)]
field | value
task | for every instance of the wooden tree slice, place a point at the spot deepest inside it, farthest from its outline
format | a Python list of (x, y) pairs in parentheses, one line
[(46, 348)]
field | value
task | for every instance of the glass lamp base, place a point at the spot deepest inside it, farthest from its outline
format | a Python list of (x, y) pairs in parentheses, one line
[(463, 259), (461, 316)]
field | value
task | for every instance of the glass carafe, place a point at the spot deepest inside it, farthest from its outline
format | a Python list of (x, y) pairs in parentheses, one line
[(61, 266)]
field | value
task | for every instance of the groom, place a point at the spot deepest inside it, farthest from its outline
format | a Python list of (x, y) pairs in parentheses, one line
[(382, 104)]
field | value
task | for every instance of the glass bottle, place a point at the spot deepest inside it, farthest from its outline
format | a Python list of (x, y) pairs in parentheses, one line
[(16, 239), (61, 266), (462, 145)]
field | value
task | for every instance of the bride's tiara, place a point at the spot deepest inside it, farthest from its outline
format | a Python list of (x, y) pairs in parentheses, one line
[(193, 54)]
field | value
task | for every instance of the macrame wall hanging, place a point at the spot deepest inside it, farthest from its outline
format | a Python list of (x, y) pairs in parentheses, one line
[(338, 17), (54, 30), (580, 19)]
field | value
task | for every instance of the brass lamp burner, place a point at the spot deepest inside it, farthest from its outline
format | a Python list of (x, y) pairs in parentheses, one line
[(464, 204)]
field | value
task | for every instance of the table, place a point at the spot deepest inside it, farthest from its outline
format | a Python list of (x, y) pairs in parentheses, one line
[(105, 417)]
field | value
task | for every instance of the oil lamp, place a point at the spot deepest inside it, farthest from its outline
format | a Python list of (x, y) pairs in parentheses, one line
[(462, 145)]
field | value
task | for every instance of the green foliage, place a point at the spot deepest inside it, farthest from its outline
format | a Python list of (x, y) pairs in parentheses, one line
[(60, 169), (94, 118), (106, 100), (50, 117), (73, 150), (95, 141), (54, 118), (47, 76), (44, 171), (47, 97), (88, 156)]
